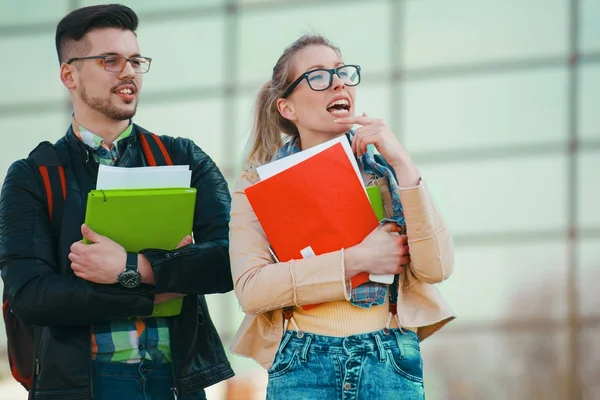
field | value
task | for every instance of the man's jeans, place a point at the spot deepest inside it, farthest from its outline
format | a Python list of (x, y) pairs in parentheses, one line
[(370, 366), (143, 381)]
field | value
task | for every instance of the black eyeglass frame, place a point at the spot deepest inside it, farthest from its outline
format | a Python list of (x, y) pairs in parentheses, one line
[(104, 57), (332, 71)]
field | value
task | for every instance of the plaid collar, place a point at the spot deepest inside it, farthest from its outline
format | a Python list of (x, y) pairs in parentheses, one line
[(102, 152)]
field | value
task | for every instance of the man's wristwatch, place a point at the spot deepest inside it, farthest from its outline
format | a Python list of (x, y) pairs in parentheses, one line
[(130, 277)]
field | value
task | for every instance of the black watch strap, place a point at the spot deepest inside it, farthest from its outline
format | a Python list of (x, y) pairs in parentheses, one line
[(130, 277), (132, 262)]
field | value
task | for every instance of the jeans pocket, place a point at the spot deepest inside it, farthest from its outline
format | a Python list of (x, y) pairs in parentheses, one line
[(283, 363), (406, 360)]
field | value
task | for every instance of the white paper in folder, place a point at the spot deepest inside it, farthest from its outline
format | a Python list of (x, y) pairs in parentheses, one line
[(169, 176)]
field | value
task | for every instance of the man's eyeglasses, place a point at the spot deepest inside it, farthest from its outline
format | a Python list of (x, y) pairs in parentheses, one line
[(321, 79), (140, 65)]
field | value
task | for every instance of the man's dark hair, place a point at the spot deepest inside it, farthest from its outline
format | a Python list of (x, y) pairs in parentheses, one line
[(75, 25)]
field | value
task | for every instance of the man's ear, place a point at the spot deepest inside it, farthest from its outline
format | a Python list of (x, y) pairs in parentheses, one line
[(67, 75), (286, 109)]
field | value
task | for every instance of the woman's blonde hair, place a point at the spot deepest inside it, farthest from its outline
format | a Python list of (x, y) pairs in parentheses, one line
[(268, 125)]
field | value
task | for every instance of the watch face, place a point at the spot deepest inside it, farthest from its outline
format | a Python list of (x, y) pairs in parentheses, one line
[(129, 279)]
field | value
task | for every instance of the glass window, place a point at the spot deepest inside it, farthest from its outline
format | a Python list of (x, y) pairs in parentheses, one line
[(375, 100), (589, 98), (14, 13), (589, 276), (218, 390), (225, 314), (589, 30), (263, 36), (33, 70), (140, 6), (492, 365), (520, 194), (198, 120), (589, 191), (466, 31), (508, 282), (30, 131), (252, 2), (590, 363), (243, 126), (487, 111), (185, 53)]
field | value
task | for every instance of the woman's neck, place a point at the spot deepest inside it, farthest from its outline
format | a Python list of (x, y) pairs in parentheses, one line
[(312, 139)]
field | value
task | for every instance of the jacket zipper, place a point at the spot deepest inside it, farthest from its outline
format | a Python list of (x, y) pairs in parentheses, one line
[(37, 364), (34, 381), (91, 366), (174, 388)]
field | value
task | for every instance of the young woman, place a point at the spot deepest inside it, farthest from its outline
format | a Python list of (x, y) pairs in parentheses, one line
[(359, 343)]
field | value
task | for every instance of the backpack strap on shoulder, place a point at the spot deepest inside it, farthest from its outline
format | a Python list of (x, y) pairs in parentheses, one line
[(154, 150), (50, 167)]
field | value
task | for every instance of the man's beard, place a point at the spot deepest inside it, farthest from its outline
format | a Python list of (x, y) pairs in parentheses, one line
[(104, 106)]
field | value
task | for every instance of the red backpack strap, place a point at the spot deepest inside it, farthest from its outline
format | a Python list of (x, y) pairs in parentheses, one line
[(19, 334), (53, 176), (154, 150)]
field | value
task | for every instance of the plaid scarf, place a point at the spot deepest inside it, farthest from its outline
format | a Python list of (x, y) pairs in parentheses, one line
[(369, 293)]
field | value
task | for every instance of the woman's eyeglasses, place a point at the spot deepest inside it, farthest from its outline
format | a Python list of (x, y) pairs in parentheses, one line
[(322, 79)]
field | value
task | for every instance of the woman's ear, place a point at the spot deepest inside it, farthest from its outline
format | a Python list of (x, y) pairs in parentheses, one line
[(286, 109)]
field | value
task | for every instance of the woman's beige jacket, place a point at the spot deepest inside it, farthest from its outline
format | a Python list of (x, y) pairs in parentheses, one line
[(264, 287)]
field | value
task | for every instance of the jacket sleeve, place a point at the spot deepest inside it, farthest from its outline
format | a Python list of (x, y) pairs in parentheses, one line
[(429, 240), (37, 294), (203, 266), (263, 285)]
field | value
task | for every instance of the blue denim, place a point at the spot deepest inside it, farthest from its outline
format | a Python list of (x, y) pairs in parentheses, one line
[(369, 366), (140, 381)]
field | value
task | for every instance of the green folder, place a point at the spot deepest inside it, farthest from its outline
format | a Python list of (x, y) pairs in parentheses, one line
[(144, 218), (374, 194)]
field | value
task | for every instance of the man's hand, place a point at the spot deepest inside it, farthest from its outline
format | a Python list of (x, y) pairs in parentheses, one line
[(185, 241), (98, 262), (376, 132)]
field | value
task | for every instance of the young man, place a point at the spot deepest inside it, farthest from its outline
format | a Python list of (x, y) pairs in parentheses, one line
[(76, 295)]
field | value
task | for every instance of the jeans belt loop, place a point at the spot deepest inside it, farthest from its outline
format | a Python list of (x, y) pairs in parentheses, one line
[(380, 348)]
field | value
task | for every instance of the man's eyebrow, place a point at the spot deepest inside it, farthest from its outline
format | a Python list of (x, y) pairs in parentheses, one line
[(112, 53)]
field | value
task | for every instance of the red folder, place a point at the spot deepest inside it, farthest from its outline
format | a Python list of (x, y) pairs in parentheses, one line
[(320, 202)]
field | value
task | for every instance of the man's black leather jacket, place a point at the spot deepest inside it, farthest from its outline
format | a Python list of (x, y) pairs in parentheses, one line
[(44, 292)]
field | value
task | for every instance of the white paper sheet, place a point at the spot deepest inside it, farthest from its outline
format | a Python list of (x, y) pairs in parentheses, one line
[(275, 167), (170, 176)]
